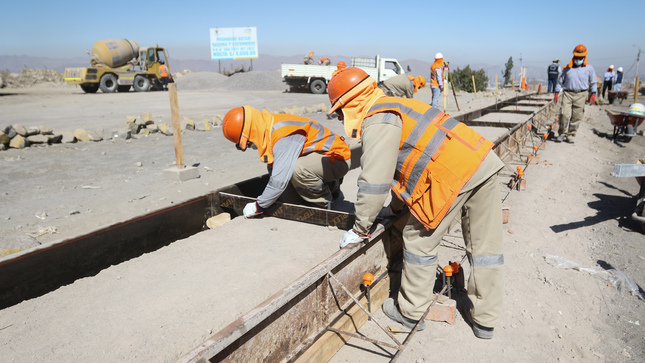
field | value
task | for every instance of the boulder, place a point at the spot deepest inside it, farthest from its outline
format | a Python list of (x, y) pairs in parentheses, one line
[(37, 139), (67, 137), (81, 135), (18, 142), (33, 131), (4, 139), (190, 124), (10, 132), (146, 118), (44, 130), (165, 129), (21, 130), (54, 139)]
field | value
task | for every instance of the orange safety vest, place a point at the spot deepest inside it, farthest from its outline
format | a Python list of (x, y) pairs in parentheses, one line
[(163, 71), (319, 138), (437, 156), (434, 80)]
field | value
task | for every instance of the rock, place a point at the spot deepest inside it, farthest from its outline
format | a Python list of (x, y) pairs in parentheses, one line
[(152, 128), (95, 135), (37, 139), (144, 131), (190, 124), (33, 131), (10, 132), (44, 130), (217, 120), (133, 125), (68, 137), (18, 142), (165, 129), (218, 220), (54, 139), (203, 126), (21, 130), (4, 139), (3, 147), (81, 135), (146, 118)]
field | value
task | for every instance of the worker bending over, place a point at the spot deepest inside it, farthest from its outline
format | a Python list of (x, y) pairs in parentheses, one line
[(402, 85), (297, 150), (309, 58), (576, 79), (440, 169)]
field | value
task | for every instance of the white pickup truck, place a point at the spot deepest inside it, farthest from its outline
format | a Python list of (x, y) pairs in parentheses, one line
[(316, 77)]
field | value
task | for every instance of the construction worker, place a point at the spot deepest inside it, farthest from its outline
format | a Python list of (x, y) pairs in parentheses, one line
[(402, 85), (553, 71), (340, 65), (619, 79), (297, 150), (576, 79), (439, 169), (309, 58), (608, 81), (324, 61), (436, 78), (163, 73)]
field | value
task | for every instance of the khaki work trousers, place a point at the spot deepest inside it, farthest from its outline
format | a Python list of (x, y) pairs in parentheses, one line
[(481, 219), (573, 107), (314, 174)]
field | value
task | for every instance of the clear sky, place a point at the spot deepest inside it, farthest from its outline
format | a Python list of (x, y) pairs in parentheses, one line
[(466, 32)]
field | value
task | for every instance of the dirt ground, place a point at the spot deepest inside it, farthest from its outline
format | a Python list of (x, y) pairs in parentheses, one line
[(572, 208)]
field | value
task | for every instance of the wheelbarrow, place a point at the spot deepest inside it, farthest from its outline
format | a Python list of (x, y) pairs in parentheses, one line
[(620, 95), (638, 171), (625, 123)]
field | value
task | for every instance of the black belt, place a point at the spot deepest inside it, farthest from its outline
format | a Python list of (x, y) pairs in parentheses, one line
[(572, 91)]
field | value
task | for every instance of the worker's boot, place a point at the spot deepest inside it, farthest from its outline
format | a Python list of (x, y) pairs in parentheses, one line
[(480, 331), (391, 310)]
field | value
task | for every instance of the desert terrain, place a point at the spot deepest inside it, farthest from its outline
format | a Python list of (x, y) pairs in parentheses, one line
[(159, 306)]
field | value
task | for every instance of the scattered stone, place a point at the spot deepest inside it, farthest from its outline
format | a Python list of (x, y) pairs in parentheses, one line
[(4, 139), (73, 212), (81, 135), (20, 130), (152, 128), (3, 147), (133, 125), (10, 132), (95, 136), (138, 164), (37, 139), (217, 121), (218, 220), (165, 129), (33, 130), (144, 131), (44, 130), (18, 142), (190, 124), (67, 137), (54, 139), (146, 118)]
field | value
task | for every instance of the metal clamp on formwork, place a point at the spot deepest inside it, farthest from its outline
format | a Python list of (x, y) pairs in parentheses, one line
[(400, 347)]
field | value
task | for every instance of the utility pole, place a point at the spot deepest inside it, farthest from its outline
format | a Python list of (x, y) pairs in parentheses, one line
[(638, 57)]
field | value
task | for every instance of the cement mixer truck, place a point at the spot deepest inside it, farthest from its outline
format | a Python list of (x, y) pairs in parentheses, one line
[(118, 65)]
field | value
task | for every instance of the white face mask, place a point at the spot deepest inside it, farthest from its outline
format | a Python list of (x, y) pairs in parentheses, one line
[(578, 62)]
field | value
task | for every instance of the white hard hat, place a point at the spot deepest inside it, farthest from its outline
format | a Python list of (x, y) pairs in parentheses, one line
[(611, 66), (438, 56), (620, 69)]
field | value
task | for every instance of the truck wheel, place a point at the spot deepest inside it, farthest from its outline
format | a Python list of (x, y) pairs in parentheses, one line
[(108, 83), (124, 88), (318, 87), (90, 88), (141, 84)]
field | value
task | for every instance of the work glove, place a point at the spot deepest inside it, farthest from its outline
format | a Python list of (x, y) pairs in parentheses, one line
[(592, 100), (252, 209), (555, 98), (352, 236)]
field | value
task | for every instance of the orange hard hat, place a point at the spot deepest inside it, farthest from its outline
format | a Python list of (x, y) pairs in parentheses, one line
[(340, 65), (236, 128), (580, 50), (422, 81), (345, 85)]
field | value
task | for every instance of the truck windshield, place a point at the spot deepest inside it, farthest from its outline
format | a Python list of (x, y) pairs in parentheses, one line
[(393, 66), (161, 55)]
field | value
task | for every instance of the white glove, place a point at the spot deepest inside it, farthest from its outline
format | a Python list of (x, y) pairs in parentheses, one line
[(351, 236), (251, 210)]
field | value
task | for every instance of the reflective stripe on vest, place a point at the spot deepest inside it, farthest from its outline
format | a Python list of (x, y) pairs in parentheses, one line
[(318, 138), (437, 156)]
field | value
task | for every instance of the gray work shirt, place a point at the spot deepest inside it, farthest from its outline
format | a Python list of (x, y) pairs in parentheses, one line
[(286, 152), (577, 79)]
